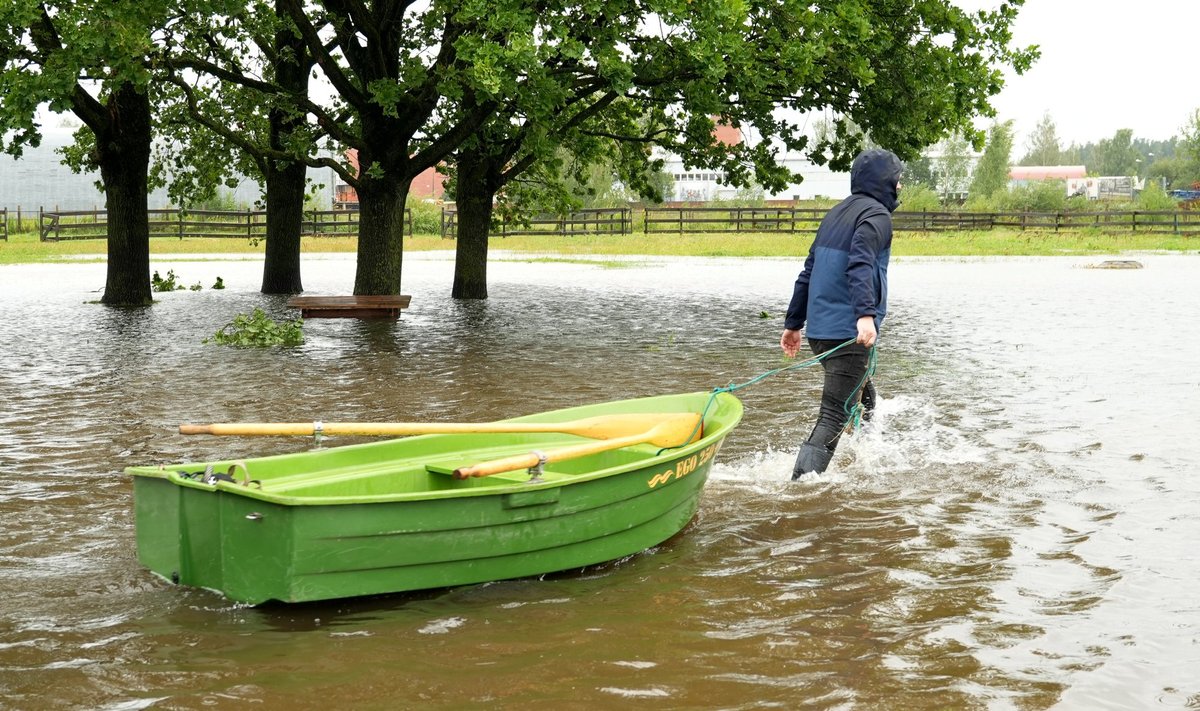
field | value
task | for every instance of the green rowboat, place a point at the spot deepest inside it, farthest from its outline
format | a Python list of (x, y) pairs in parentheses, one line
[(425, 511)]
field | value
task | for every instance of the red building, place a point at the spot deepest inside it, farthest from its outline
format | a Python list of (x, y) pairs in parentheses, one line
[(429, 185)]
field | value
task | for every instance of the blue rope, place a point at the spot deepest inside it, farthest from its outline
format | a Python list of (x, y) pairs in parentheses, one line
[(853, 413)]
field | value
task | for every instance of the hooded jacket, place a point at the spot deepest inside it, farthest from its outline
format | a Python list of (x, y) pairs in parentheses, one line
[(845, 275)]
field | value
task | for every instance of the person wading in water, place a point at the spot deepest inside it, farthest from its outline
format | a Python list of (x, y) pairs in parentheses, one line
[(841, 295)]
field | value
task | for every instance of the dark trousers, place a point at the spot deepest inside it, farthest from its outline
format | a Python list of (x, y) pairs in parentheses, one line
[(846, 382)]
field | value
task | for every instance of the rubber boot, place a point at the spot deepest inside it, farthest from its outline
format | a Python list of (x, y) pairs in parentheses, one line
[(812, 458), (869, 399)]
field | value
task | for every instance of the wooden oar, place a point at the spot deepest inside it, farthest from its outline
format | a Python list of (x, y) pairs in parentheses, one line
[(679, 430), (599, 427)]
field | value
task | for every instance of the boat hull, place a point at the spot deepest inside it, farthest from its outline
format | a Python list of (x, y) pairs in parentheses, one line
[(387, 517)]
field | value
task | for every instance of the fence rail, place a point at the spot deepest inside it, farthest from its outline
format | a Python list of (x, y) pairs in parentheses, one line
[(700, 220), (617, 221), (169, 222), (56, 225)]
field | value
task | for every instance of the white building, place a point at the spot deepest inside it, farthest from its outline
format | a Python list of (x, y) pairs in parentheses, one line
[(701, 185)]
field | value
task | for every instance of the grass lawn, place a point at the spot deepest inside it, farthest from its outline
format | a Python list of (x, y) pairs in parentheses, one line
[(25, 247)]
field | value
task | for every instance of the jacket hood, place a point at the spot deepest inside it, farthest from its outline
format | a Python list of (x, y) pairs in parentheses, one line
[(876, 173)]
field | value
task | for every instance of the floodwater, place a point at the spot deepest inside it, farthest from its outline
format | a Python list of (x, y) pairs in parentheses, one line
[(1016, 529)]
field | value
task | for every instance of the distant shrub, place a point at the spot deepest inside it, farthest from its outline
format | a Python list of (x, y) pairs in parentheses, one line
[(1038, 196), (980, 203), (1154, 199), (1080, 203), (917, 198), (426, 217)]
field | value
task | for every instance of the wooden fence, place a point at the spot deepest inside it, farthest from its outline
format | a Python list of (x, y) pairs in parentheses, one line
[(4, 223), (618, 221), (699, 220), (251, 224), (244, 224)]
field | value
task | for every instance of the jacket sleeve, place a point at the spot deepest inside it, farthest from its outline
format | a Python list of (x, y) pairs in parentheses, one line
[(797, 311), (865, 246)]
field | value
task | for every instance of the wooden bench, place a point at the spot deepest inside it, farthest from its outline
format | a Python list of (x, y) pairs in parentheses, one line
[(349, 306)]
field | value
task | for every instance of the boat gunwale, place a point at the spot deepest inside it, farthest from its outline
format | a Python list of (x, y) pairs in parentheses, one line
[(170, 473)]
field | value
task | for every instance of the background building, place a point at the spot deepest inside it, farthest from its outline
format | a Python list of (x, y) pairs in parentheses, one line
[(39, 179), (703, 185)]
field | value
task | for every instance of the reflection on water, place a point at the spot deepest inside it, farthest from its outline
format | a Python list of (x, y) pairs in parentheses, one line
[(1012, 531)]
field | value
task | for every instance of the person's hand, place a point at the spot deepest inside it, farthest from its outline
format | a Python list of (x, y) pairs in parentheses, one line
[(866, 331), (790, 342)]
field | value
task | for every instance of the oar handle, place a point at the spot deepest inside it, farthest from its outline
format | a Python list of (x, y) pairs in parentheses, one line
[(498, 466)]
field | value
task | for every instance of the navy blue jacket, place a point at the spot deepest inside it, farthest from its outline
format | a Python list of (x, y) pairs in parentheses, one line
[(845, 275)]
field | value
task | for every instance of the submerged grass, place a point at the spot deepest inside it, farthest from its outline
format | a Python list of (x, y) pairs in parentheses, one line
[(25, 247)]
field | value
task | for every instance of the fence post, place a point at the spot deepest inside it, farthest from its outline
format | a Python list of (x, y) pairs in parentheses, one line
[(1174, 219), (1135, 220)]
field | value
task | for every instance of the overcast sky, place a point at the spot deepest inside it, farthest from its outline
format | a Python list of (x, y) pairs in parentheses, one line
[(1106, 65)]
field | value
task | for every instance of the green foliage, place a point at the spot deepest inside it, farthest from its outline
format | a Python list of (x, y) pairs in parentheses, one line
[(426, 217), (1177, 172), (257, 329), (1042, 146), (1116, 156), (1153, 199), (735, 64), (1079, 203), (1189, 153), (952, 166), (920, 171), (1035, 196), (170, 283), (915, 198), (991, 173), (220, 200)]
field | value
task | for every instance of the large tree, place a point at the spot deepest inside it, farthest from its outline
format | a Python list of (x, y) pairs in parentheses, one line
[(1189, 151), (901, 74), (991, 173), (89, 57), (240, 105), (1043, 147), (1115, 156), (953, 163), (390, 62)]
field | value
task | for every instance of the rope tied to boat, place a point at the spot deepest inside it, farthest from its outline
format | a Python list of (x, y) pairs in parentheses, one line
[(853, 410)]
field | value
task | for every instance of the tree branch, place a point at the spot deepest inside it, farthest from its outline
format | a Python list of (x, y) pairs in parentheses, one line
[(329, 65), (253, 149), (48, 42), (333, 126)]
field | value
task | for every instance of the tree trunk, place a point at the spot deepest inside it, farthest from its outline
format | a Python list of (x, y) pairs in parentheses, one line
[(123, 155), (285, 182), (285, 216), (380, 233), (473, 200)]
